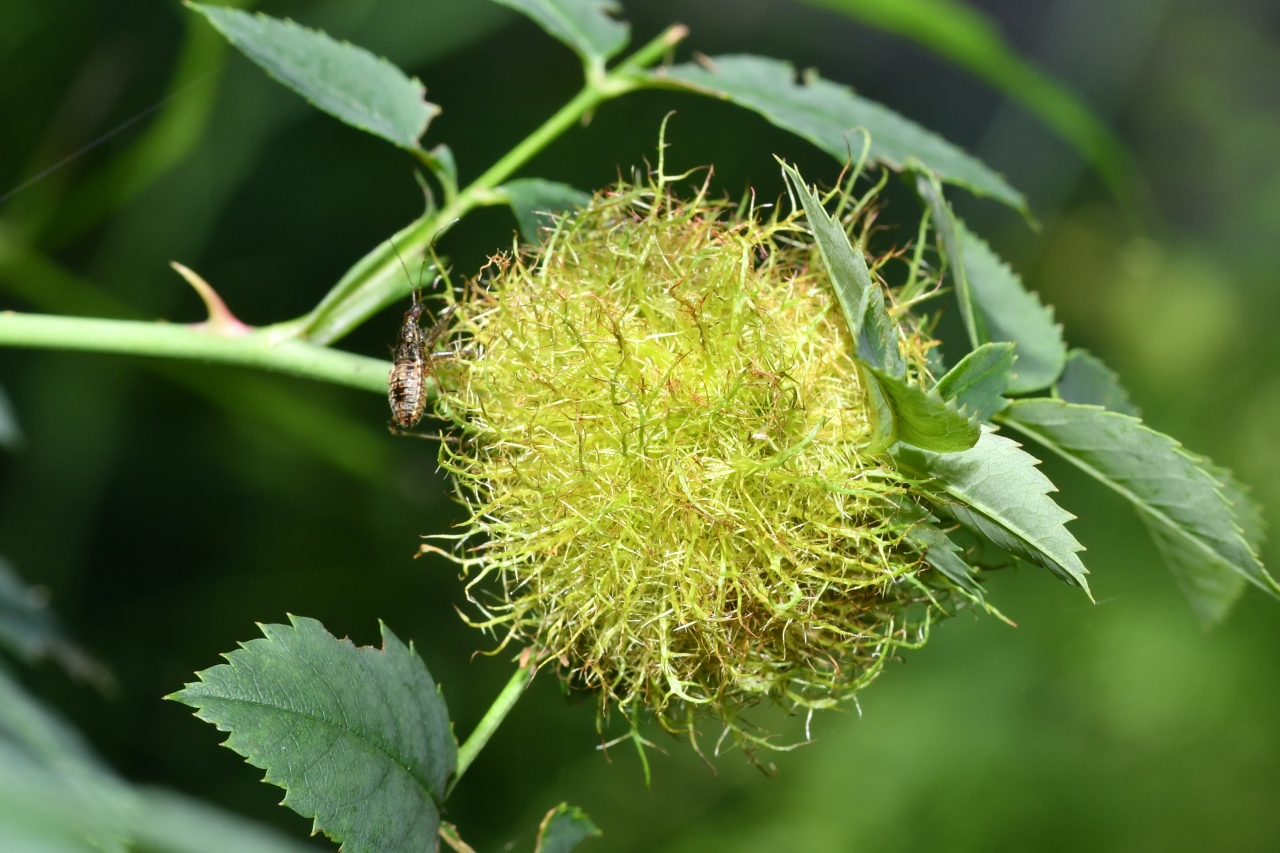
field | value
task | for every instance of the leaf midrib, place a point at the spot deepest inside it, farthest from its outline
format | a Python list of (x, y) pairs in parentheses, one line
[(1159, 515), (423, 784)]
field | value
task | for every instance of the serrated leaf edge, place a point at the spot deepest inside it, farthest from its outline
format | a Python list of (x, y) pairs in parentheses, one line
[(1077, 578), (433, 109), (192, 689), (1177, 447), (932, 396)]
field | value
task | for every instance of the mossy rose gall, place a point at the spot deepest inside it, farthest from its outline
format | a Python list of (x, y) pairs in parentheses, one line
[(664, 450)]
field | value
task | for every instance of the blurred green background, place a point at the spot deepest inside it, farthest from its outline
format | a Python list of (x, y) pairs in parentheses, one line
[(167, 507)]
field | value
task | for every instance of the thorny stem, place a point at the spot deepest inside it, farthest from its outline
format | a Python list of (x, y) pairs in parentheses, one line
[(299, 347), (254, 349), (494, 716)]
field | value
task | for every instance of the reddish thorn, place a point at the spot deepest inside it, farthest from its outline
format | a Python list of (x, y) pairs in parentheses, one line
[(221, 320)]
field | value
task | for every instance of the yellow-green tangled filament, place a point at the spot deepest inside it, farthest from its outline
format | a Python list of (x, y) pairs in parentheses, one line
[(665, 459)]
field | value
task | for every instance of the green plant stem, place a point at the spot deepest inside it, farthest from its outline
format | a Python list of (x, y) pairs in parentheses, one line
[(348, 444), (377, 279), (259, 349), (299, 347), (492, 719)]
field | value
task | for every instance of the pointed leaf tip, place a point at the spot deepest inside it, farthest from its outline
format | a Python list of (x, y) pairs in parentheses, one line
[(348, 82), (563, 829), (1181, 498), (1004, 497), (364, 725), (979, 381)]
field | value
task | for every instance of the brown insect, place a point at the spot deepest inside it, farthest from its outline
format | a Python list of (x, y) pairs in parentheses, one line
[(408, 384)]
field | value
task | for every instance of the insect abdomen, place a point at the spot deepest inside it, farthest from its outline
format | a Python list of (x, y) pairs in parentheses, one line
[(406, 393)]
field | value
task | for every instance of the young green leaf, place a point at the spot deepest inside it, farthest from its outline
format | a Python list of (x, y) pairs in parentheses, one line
[(944, 223), (536, 204), (923, 419), (1089, 382), (945, 556), (1005, 498), (563, 829), (862, 303), (1010, 312), (864, 313), (830, 116), (1248, 514), (359, 737), (584, 25), (979, 381), (346, 81), (1178, 498)]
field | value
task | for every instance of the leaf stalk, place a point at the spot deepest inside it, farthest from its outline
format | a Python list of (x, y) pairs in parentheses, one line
[(493, 718)]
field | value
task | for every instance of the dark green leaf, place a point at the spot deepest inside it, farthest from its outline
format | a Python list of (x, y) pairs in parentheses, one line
[(359, 737), (1207, 581), (1248, 514), (860, 298), (862, 303), (1005, 498), (1086, 380), (832, 117), (968, 38), (537, 203), (1010, 312), (945, 556), (30, 630), (947, 227), (979, 381), (584, 25), (1179, 500), (923, 419), (878, 343), (563, 829), (1211, 586), (346, 81)]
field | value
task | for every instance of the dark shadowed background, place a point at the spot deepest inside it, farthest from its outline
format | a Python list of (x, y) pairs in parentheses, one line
[(167, 507)]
